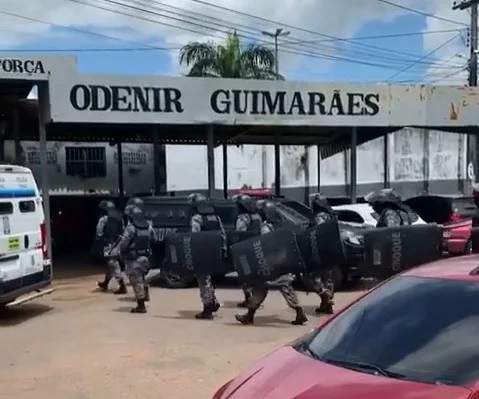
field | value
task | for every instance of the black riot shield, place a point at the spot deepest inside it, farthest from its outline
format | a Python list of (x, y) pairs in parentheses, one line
[(390, 250), (189, 254), (266, 257), (321, 246)]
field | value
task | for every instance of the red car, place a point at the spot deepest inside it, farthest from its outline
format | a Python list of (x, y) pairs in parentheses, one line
[(414, 336), (454, 213)]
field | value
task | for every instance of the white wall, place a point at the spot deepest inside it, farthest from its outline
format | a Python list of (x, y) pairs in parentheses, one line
[(187, 167)]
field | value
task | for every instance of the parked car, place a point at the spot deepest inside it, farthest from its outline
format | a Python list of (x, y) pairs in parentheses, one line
[(454, 213), (363, 215), (402, 339)]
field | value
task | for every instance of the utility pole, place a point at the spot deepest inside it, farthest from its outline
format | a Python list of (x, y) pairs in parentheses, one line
[(279, 32), (472, 143)]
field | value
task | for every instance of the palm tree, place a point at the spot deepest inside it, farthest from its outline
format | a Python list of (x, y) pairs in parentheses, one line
[(229, 60)]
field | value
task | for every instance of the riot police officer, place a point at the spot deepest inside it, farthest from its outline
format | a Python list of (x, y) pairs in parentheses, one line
[(205, 219), (273, 220), (390, 208), (248, 219), (133, 248), (322, 282), (108, 229)]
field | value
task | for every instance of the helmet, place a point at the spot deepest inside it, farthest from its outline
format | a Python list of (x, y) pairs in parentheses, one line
[(245, 202), (106, 205), (128, 209), (135, 211), (136, 201), (195, 198), (382, 196), (320, 203)]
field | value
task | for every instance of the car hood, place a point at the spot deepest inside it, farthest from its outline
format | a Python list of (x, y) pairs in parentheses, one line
[(287, 374)]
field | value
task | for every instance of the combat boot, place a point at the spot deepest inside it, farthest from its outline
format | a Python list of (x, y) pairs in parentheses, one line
[(216, 306), (147, 293), (244, 304), (247, 318), (121, 289), (140, 307), (206, 314), (300, 317), (326, 307), (103, 285)]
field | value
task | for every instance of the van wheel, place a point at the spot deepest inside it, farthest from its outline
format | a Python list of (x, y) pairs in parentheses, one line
[(174, 281)]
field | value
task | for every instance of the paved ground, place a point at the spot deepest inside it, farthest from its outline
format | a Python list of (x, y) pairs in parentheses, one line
[(81, 344)]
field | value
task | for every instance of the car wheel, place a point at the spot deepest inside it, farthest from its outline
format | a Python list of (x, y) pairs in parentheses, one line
[(174, 281), (468, 249)]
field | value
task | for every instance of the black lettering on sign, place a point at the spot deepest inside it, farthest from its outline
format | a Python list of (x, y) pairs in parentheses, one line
[(28, 67), (125, 98), (263, 102)]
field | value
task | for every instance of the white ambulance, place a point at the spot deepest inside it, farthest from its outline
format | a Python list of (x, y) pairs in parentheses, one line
[(25, 268)]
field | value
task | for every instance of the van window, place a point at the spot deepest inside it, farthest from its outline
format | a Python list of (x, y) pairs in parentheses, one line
[(26, 206), (6, 208)]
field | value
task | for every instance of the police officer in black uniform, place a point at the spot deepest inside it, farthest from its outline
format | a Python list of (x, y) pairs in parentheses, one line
[(390, 208), (248, 219), (205, 219), (108, 229)]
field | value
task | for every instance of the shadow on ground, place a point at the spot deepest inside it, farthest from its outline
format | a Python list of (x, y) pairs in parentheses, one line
[(22, 313)]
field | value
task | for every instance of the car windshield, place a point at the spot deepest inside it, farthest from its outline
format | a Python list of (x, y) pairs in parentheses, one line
[(413, 328)]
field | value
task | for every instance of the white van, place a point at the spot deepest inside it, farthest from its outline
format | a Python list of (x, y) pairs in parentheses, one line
[(25, 268)]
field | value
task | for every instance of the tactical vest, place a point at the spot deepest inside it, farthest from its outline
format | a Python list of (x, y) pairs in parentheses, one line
[(140, 244), (113, 228), (210, 223)]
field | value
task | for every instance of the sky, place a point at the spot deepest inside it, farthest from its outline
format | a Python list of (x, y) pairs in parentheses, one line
[(340, 40)]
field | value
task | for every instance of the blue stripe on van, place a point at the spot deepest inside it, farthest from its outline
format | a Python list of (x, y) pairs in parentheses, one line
[(17, 192)]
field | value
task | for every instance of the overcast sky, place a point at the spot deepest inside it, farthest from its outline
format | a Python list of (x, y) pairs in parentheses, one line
[(150, 32)]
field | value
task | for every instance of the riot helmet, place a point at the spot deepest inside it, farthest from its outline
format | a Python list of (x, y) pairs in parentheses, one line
[(320, 203), (245, 204), (195, 198), (136, 202), (128, 209), (382, 199), (273, 215), (106, 206)]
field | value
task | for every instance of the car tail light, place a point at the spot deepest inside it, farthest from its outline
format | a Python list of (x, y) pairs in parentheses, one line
[(454, 217), (43, 232)]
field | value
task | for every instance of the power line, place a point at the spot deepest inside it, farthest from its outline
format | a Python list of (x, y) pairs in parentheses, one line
[(422, 13), (72, 28), (244, 28), (423, 57), (450, 75)]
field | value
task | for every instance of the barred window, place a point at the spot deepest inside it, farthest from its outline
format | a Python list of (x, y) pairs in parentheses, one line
[(33, 157), (86, 162), (132, 158)]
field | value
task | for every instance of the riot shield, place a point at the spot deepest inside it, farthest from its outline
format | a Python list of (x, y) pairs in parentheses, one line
[(266, 257), (233, 237), (189, 254), (390, 250), (321, 246)]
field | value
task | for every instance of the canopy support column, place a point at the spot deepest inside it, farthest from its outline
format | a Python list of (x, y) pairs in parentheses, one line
[(225, 170), (16, 137), (353, 187), (119, 164), (425, 163), (210, 156), (319, 167), (307, 183), (277, 167), (386, 160), (159, 164), (45, 186)]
